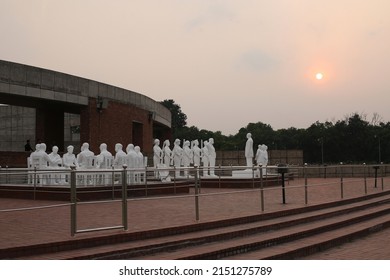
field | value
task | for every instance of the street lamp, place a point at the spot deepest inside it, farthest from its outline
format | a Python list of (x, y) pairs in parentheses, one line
[(321, 140), (379, 148)]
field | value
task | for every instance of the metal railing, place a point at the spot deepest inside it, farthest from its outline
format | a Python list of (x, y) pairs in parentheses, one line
[(342, 177)]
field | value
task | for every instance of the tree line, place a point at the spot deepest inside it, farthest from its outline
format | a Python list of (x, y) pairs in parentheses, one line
[(353, 139)]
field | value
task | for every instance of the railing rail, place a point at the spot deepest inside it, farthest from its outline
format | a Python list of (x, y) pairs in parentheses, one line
[(76, 179)]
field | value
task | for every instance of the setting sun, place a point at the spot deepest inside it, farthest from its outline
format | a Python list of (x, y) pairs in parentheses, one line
[(319, 76)]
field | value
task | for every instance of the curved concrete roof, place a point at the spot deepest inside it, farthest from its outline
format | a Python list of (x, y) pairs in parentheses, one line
[(19, 80)]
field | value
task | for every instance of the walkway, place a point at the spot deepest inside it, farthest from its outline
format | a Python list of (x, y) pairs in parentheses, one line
[(40, 225)]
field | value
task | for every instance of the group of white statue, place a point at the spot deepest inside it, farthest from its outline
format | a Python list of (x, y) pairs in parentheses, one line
[(86, 159), (189, 154), (179, 157), (205, 156)]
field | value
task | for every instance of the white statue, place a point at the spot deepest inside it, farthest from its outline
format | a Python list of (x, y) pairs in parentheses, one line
[(187, 157), (55, 158), (131, 161), (196, 152), (262, 157), (55, 163), (40, 160), (85, 157), (177, 152), (212, 156), (157, 156), (249, 150), (120, 156), (205, 158), (139, 163), (104, 159), (167, 153), (69, 158)]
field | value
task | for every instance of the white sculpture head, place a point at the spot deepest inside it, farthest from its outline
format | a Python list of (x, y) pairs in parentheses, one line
[(118, 147), (157, 142), (70, 149), (85, 146), (137, 149), (177, 142), (43, 147), (103, 147), (129, 148), (211, 141), (248, 135), (187, 143), (167, 143), (196, 142), (55, 150)]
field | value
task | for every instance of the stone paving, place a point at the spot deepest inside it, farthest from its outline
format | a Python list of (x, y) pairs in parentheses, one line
[(30, 225)]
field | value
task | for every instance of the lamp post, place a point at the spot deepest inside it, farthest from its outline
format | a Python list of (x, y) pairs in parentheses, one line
[(321, 140), (379, 148)]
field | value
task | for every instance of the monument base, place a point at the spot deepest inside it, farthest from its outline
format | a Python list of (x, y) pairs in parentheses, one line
[(245, 174)]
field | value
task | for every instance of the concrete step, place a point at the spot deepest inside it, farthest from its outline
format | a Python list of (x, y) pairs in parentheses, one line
[(244, 235), (232, 247)]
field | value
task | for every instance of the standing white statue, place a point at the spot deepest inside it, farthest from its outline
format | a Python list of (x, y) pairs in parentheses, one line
[(40, 160), (85, 157), (55, 163), (104, 159), (262, 157), (212, 156), (187, 157), (167, 153), (69, 158), (177, 152), (205, 158), (131, 161), (249, 150), (120, 156), (139, 163), (196, 152), (157, 157)]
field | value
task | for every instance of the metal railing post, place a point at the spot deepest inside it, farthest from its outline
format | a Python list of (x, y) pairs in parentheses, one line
[(253, 177), (341, 181), (365, 178), (382, 175), (305, 176), (113, 182), (124, 197), (261, 188), (219, 177), (146, 181), (73, 200), (35, 182), (196, 194)]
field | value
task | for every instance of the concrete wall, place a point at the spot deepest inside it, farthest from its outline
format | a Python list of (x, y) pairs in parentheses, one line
[(33, 82)]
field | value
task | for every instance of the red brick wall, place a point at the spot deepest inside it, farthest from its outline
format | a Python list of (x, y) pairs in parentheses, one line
[(114, 124), (14, 159)]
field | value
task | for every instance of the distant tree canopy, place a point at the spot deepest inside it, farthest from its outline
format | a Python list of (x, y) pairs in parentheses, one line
[(179, 119), (352, 140)]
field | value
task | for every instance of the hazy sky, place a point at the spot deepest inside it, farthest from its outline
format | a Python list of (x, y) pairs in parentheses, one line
[(227, 63)]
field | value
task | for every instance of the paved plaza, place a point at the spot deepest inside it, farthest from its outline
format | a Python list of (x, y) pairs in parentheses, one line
[(29, 222)]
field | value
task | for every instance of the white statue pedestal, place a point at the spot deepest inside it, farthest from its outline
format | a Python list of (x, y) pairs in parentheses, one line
[(245, 174)]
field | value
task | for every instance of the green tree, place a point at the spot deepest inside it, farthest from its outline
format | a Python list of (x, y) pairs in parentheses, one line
[(179, 119)]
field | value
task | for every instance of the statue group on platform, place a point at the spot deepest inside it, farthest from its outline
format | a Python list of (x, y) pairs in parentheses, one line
[(182, 155), (86, 159)]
